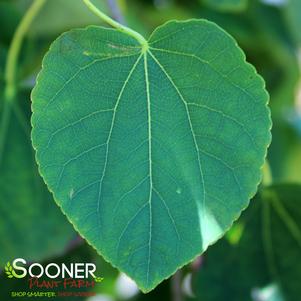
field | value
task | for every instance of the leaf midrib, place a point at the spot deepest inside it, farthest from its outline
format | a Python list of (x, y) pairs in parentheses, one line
[(145, 54), (190, 126), (149, 121)]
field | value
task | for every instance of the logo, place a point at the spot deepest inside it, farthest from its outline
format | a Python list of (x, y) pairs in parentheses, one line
[(62, 278), (52, 270)]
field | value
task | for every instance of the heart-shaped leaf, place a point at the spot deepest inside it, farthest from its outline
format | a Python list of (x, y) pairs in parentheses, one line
[(152, 151)]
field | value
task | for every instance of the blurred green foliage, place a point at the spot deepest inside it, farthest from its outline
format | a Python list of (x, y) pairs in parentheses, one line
[(266, 251)]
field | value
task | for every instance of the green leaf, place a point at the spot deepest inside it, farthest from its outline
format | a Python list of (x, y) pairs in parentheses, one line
[(227, 5), (267, 252), (151, 151), (32, 227), (98, 279)]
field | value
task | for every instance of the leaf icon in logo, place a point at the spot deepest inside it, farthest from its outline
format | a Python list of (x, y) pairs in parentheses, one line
[(98, 279), (9, 270)]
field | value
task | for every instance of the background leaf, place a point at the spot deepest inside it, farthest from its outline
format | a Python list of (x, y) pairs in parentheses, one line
[(267, 251), (31, 226)]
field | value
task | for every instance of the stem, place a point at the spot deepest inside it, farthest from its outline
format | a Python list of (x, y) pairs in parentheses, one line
[(117, 25), (14, 50), (10, 73)]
